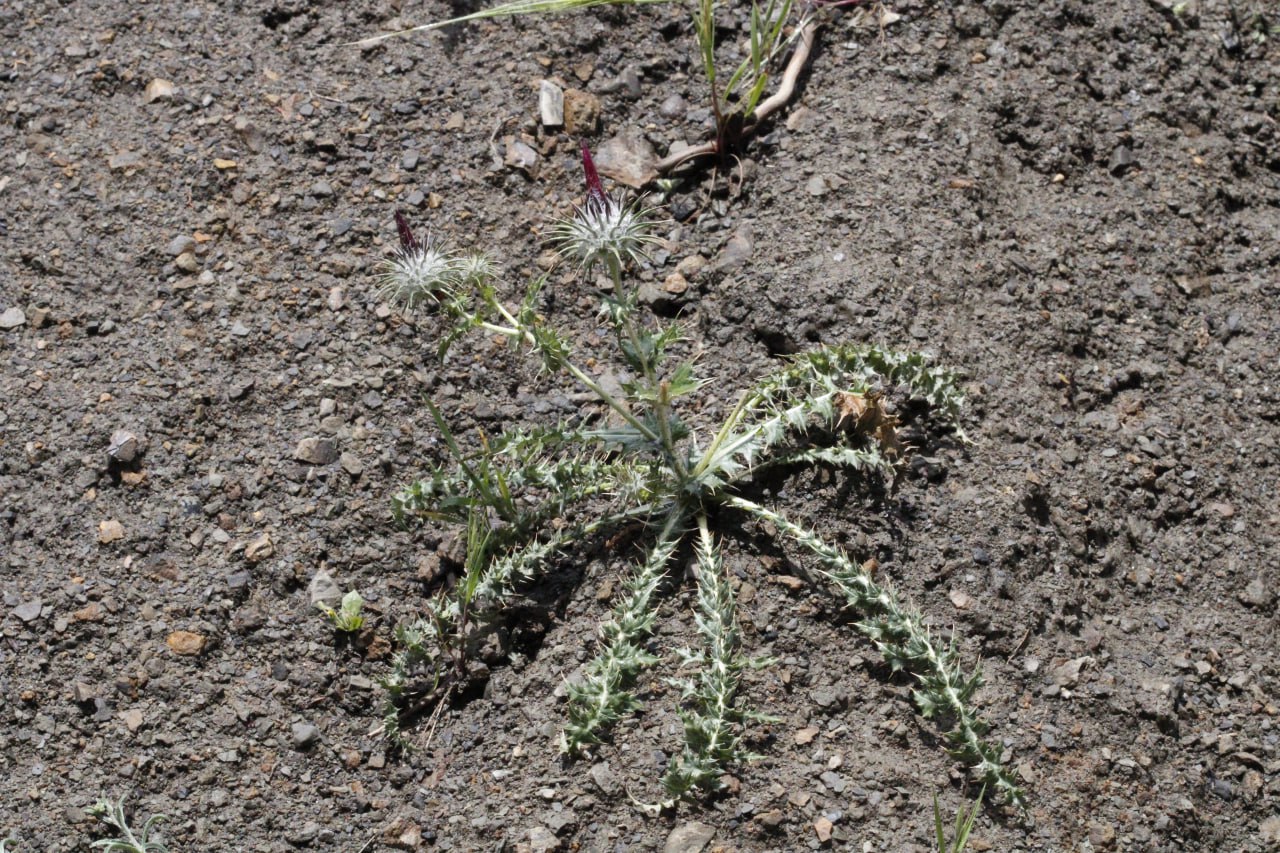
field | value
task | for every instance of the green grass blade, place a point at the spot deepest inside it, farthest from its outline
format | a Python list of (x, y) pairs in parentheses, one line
[(506, 10)]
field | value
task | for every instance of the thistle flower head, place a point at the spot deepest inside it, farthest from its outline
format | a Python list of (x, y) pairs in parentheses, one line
[(475, 269), (604, 230), (420, 270)]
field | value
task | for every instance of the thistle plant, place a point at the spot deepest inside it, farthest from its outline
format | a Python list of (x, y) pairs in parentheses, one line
[(531, 496), (112, 814)]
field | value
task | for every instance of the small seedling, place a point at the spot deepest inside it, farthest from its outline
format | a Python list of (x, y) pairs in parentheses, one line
[(347, 618), (737, 98), (112, 814), (964, 826), (528, 496)]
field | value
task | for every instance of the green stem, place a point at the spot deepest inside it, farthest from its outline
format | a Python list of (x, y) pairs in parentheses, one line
[(517, 330), (659, 391), (726, 429), (662, 411)]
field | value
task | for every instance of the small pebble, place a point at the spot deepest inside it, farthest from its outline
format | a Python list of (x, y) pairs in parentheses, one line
[(605, 778), (12, 318), (826, 698), (674, 108), (520, 155), (124, 160), (737, 251), (1256, 594), (123, 447), (351, 464), (109, 531), (1068, 674), (29, 611), (1122, 160), (180, 245), (692, 837), (541, 840), (316, 451), (323, 589), (186, 643), (240, 387), (259, 549), (158, 89), (550, 104), (581, 112), (305, 735), (304, 836), (630, 80)]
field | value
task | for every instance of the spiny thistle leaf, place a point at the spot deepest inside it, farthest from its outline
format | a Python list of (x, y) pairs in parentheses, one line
[(713, 725), (902, 638), (603, 697)]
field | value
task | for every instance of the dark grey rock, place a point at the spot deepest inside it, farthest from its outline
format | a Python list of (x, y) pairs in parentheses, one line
[(316, 451), (305, 735)]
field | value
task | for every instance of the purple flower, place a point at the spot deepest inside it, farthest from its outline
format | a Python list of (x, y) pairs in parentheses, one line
[(596, 196), (408, 243)]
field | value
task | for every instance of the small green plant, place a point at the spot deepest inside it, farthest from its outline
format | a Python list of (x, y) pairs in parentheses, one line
[(348, 617), (734, 100), (964, 826), (530, 495), (737, 98), (112, 814), (4, 845)]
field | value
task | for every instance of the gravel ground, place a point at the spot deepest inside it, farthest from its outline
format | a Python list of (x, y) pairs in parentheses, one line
[(203, 403)]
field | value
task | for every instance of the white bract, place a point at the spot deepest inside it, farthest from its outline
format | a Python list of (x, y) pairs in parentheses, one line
[(605, 232)]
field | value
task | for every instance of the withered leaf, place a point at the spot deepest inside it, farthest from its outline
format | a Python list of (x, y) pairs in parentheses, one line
[(865, 414)]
